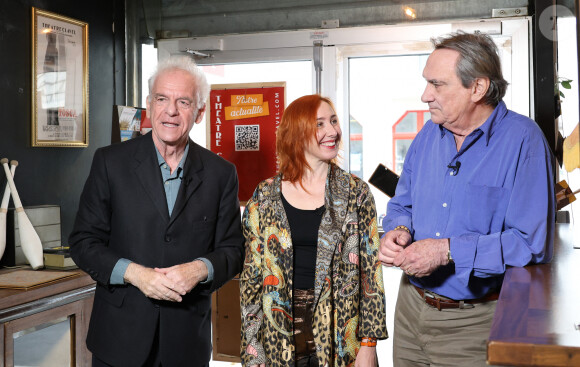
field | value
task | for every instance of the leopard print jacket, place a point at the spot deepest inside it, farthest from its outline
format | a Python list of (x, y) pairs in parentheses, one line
[(349, 295)]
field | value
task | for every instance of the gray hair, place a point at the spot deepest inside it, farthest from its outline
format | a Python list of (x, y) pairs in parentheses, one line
[(186, 64), (478, 58)]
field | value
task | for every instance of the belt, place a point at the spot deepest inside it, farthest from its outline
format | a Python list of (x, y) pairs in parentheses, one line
[(440, 303)]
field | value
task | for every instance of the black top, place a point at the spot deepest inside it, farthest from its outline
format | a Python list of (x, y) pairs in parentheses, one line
[(304, 226)]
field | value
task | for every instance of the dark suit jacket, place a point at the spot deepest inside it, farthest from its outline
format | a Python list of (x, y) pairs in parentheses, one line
[(123, 214)]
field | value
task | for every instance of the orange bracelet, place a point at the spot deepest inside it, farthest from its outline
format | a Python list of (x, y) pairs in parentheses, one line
[(369, 342)]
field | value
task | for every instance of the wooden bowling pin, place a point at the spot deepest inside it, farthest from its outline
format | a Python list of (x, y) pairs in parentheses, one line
[(29, 240), (4, 210)]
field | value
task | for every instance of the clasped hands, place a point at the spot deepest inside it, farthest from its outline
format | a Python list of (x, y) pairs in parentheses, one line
[(168, 284), (419, 258)]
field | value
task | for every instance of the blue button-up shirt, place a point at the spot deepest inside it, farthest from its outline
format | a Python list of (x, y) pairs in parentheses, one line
[(494, 200), (171, 181)]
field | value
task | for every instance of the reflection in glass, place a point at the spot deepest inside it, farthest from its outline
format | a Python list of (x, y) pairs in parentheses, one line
[(408, 124), (46, 345), (52, 81), (401, 148)]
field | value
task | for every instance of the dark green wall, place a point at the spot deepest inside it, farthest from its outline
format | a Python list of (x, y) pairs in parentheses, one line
[(56, 175)]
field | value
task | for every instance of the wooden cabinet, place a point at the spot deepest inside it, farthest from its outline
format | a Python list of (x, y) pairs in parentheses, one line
[(31, 317)]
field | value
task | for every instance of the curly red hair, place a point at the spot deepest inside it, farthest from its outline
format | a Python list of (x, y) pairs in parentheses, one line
[(295, 132)]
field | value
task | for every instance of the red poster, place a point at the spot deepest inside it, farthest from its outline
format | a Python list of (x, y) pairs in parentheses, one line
[(242, 120)]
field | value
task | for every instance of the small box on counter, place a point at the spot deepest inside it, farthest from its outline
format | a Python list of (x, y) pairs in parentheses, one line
[(58, 258)]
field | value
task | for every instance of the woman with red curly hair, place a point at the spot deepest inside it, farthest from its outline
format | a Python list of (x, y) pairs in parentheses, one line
[(311, 287)]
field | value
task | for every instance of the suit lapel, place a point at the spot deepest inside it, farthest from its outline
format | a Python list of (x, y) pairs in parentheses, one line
[(149, 175), (192, 173)]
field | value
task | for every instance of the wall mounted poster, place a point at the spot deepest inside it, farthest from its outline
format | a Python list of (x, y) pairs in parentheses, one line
[(242, 121), (60, 78)]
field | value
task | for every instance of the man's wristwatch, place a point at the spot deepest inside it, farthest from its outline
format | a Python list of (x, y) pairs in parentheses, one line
[(404, 228)]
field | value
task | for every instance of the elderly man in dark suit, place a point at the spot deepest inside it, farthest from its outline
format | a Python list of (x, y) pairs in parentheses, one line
[(157, 215)]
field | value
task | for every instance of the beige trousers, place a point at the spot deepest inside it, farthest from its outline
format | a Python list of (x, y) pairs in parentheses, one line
[(425, 336)]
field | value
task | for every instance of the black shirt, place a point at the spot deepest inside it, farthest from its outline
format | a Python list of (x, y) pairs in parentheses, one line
[(304, 226)]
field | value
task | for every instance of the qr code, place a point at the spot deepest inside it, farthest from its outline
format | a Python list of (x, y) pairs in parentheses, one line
[(247, 137)]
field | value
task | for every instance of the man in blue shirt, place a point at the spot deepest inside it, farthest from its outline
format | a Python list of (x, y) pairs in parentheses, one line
[(476, 195)]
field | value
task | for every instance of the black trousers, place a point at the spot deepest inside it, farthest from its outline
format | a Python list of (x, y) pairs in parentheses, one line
[(309, 361), (98, 363), (153, 360)]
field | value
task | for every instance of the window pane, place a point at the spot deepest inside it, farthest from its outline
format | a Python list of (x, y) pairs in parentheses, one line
[(356, 149), (408, 124), (382, 89), (47, 345), (148, 65), (401, 148)]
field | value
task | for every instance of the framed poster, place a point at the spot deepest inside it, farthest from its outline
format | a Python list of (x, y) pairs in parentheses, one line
[(242, 123), (60, 76)]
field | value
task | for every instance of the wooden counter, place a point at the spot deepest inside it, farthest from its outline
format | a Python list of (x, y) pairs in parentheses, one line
[(537, 320), (23, 310)]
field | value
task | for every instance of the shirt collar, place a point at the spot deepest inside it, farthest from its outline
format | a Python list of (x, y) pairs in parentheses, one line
[(161, 161), (494, 120), (490, 125)]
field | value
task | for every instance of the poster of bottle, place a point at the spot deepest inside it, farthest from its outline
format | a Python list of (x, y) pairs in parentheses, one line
[(60, 80), (242, 120)]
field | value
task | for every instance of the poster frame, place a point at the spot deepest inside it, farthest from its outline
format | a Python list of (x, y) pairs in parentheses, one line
[(46, 128)]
